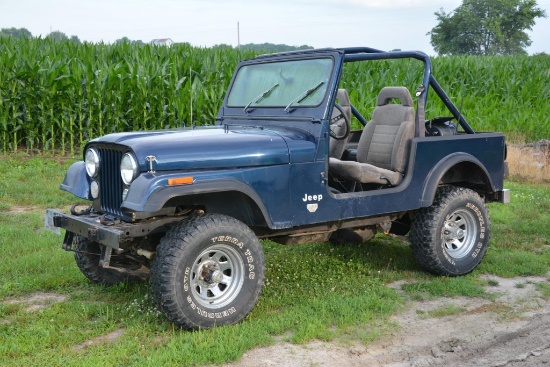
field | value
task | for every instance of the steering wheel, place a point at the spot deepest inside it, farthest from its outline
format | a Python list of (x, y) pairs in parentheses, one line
[(336, 119), (441, 119)]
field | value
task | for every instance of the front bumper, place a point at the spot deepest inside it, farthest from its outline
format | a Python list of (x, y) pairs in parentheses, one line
[(103, 229), (87, 226)]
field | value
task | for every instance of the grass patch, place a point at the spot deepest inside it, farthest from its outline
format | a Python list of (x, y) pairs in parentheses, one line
[(544, 289), (448, 310), (314, 291), (466, 286), (522, 224), (508, 263), (33, 181)]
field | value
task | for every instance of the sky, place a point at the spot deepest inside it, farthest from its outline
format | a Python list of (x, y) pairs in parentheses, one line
[(383, 24)]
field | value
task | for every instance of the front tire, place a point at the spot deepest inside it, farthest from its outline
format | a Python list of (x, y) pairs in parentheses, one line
[(86, 255), (451, 236), (208, 271)]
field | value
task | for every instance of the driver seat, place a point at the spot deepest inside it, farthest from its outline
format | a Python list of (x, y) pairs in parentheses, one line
[(338, 125), (383, 150)]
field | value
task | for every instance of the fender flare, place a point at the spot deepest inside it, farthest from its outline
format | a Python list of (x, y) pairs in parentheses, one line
[(436, 174), (162, 194), (77, 181)]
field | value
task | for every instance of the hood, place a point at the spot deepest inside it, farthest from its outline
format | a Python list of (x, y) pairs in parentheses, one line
[(204, 148)]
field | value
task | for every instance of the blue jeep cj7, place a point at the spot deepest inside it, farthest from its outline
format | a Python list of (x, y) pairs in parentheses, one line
[(185, 207)]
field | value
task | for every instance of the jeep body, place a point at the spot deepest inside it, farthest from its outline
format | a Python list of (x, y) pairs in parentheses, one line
[(266, 165)]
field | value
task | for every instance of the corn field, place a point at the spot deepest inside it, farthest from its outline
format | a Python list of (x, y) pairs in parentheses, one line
[(55, 96), (510, 94), (58, 95)]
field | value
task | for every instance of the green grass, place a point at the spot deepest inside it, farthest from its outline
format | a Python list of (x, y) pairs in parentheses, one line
[(447, 310), (544, 289), (33, 182), (315, 291), (467, 286)]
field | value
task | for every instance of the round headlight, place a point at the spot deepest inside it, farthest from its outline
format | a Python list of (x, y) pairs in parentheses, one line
[(128, 168), (94, 189), (91, 160)]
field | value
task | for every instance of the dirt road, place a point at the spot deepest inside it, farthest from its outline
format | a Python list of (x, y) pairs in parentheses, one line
[(512, 331)]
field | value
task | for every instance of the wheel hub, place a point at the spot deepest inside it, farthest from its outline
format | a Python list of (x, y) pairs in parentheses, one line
[(452, 232), (217, 276), (459, 233), (210, 273)]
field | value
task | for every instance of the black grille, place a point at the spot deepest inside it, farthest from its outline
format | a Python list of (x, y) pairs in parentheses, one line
[(110, 182)]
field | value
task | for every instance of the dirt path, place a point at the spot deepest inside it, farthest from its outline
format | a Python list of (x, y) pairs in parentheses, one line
[(513, 330)]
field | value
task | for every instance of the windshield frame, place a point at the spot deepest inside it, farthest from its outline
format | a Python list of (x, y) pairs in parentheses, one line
[(316, 111)]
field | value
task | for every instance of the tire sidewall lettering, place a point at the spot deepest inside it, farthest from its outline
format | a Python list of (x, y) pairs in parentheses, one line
[(480, 237), (451, 236), (481, 221), (249, 267)]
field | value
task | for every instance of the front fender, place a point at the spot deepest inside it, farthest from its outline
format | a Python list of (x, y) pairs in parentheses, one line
[(77, 181), (150, 192), (436, 174)]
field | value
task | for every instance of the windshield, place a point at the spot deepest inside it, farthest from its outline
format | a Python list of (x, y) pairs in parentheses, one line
[(280, 84)]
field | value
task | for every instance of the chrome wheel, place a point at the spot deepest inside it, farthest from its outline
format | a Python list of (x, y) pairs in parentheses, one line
[(217, 276), (460, 233)]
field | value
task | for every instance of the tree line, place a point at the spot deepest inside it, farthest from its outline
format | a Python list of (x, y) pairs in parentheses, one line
[(476, 27), (25, 33)]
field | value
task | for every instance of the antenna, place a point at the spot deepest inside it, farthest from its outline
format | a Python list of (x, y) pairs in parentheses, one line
[(191, 95), (238, 36), (460, 110)]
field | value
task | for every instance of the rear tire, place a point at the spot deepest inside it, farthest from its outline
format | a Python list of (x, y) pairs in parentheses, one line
[(451, 236), (208, 271)]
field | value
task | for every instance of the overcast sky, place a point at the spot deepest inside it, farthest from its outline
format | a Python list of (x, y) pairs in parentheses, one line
[(384, 24)]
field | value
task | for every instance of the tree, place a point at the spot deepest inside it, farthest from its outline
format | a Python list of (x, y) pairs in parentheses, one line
[(16, 32), (485, 27), (58, 36), (270, 47), (75, 39), (123, 40), (129, 41)]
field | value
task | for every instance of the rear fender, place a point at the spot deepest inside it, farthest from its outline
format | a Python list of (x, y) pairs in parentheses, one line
[(451, 169)]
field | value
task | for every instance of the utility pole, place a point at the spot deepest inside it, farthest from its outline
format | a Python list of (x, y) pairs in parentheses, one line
[(238, 36)]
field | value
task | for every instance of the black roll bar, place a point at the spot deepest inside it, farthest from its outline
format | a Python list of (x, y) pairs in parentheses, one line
[(367, 53)]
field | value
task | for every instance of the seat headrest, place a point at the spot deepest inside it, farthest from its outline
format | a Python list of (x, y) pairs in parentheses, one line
[(389, 93), (343, 97)]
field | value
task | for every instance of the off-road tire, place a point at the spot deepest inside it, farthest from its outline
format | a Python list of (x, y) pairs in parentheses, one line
[(451, 236), (86, 254), (208, 271)]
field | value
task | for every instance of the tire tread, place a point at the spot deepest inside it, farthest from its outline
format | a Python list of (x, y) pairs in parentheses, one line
[(424, 229), (166, 258)]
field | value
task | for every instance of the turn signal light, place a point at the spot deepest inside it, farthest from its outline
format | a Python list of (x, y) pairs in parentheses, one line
[(180, 181)]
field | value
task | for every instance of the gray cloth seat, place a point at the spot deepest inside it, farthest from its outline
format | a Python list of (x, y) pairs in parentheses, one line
[(383, 150), (337, 125)]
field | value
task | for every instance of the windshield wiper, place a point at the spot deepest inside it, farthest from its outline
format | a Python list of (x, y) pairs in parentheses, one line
[(304, 95), (261, 96)]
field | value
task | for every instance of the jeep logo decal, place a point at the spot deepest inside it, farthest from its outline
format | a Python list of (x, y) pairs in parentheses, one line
[(307, 198)]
